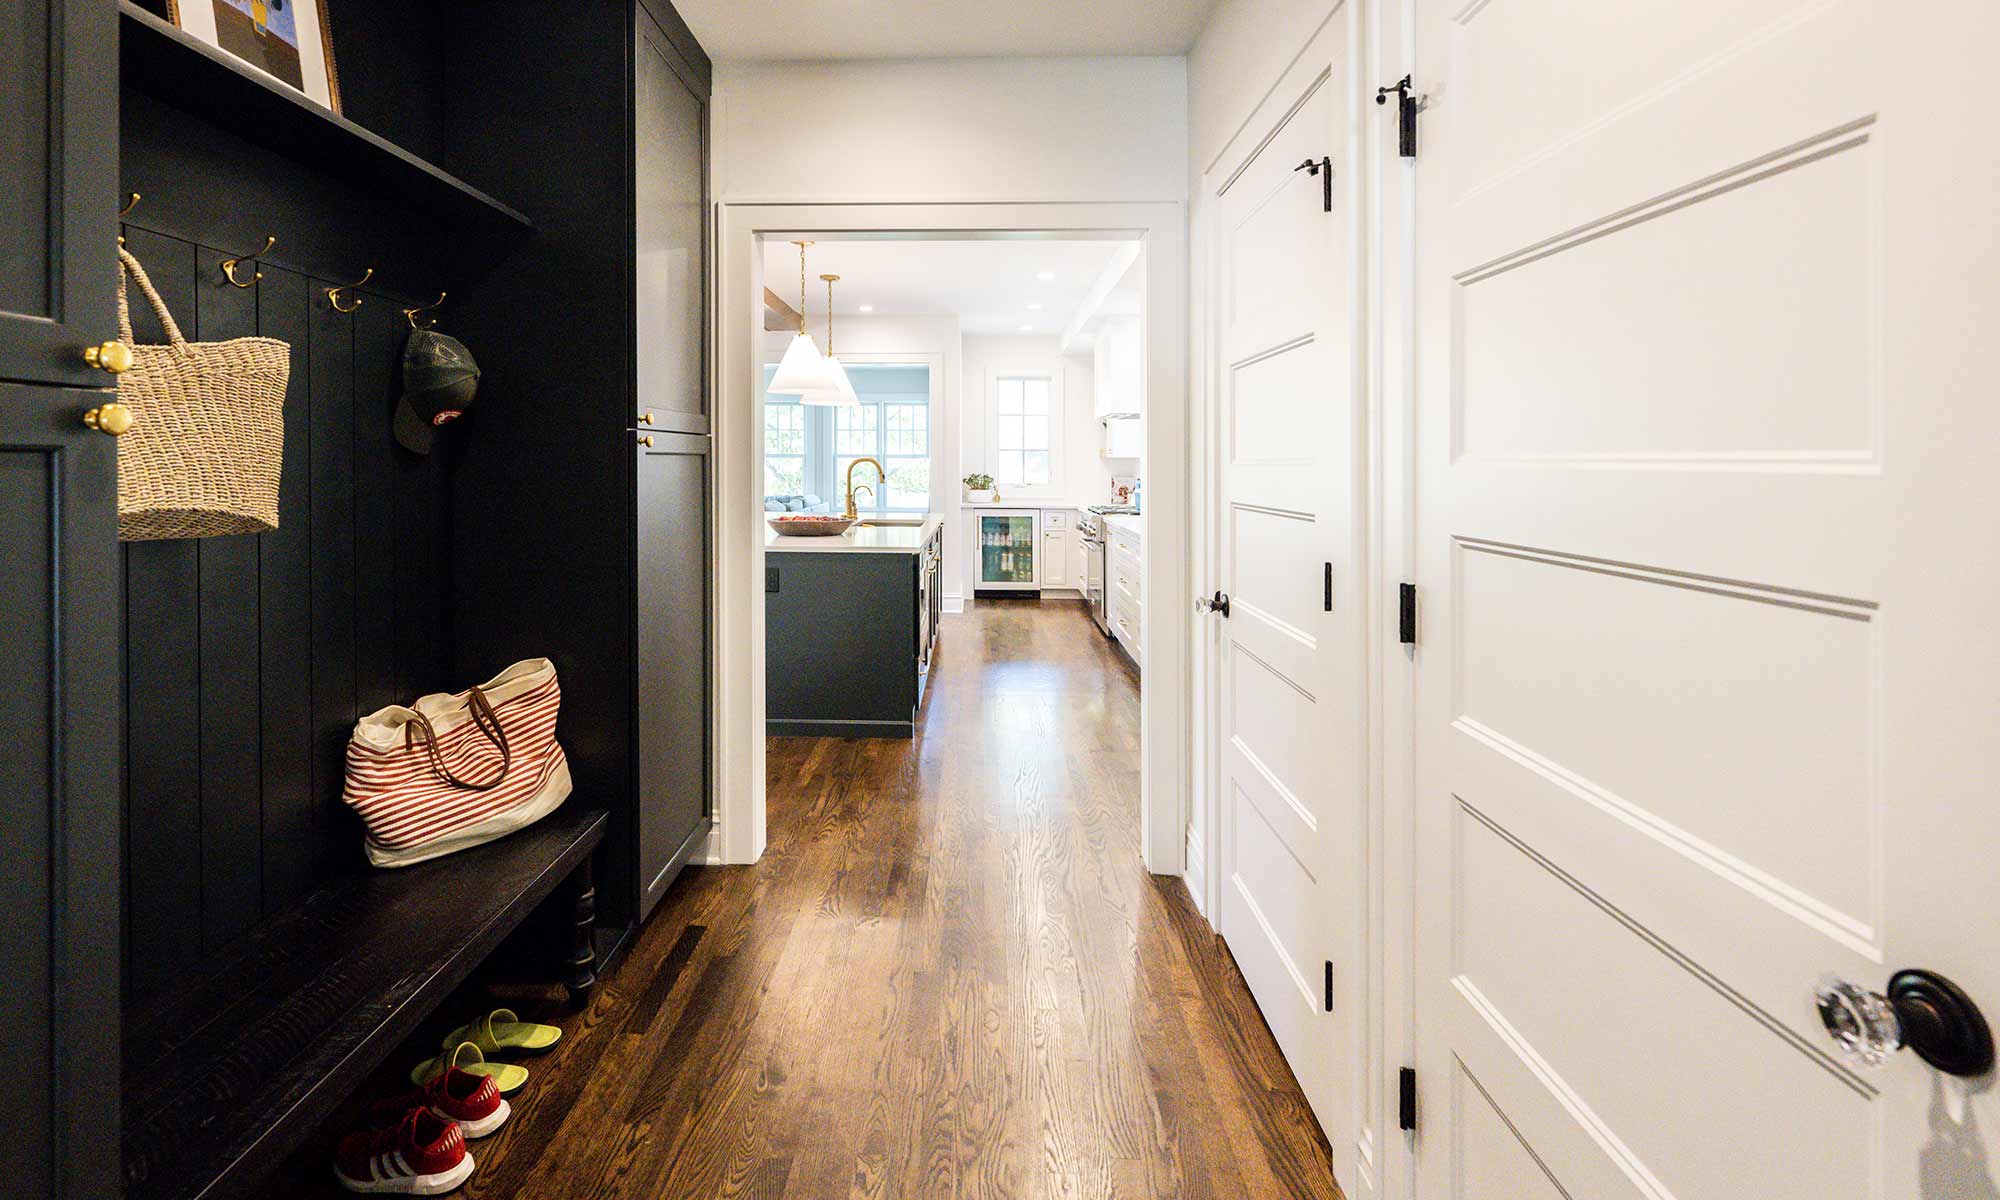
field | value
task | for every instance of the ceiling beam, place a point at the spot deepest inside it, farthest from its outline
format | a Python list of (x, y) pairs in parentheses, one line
[(780, 315), (1107, 282)]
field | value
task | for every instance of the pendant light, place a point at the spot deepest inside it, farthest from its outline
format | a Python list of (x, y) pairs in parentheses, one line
[(841, 392), (802, 369)]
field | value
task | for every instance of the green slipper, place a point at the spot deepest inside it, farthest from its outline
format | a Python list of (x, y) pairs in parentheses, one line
[(466, 1057), (500, 1030)]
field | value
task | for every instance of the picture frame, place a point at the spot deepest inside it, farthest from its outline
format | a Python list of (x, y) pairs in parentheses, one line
[(289, 40)]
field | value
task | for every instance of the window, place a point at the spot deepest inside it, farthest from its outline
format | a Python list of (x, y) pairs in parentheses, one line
[(784, 447), (807, 450), (1022, 434)]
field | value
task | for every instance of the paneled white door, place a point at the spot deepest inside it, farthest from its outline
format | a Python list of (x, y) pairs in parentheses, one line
[(1708, 676), (1290, 680)]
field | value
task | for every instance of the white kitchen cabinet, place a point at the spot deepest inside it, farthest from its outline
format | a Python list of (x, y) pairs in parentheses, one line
[(1118, 372), (1124, 437), (1058, 537), (1124, 592)]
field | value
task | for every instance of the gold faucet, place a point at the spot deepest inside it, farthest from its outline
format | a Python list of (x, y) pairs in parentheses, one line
[(881, 478)]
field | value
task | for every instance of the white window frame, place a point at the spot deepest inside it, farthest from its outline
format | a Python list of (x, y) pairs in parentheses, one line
[(1058, 427), (823, 479)]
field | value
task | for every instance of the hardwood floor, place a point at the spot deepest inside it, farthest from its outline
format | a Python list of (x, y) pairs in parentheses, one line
[(949, 976)]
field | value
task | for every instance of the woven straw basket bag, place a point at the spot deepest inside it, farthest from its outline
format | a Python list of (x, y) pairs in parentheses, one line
[(203, 457)]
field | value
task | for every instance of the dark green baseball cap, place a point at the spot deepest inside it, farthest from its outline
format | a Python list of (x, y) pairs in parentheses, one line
[(439, 382)]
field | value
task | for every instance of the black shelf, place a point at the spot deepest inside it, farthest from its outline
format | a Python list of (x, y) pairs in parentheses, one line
[(191, 75)]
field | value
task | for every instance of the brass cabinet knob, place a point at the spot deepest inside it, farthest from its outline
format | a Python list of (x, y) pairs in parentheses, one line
[(646, 440), (646, 418), (113, 418), (115, 357)]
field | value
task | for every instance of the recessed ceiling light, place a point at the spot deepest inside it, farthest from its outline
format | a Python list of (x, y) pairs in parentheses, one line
[(1046, 276), (1034, 308), (867, 308)]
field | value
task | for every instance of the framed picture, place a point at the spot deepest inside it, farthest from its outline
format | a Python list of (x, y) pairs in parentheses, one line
[(286, 39)]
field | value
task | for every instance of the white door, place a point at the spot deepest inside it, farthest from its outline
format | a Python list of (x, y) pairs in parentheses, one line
[(1708, 677), (1289, 671)]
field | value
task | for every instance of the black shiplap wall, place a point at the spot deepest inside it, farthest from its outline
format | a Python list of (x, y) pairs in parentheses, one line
[(248, 658)]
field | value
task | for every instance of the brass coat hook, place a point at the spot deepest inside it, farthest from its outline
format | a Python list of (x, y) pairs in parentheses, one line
[(131, 202), (333, 293), (410, 314), (229, 265)]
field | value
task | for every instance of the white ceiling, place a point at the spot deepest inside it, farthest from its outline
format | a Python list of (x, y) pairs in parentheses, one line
[(989, 285), (835, 29)]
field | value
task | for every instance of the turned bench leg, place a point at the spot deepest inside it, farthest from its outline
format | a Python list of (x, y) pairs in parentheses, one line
[(580, 966)]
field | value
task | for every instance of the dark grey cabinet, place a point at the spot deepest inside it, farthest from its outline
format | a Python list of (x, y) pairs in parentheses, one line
[(674, 658), (59, 602), (849, 637), (670, 94), (58, 178)]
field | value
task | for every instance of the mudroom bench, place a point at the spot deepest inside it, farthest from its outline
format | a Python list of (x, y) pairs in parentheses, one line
[(225, 1076)]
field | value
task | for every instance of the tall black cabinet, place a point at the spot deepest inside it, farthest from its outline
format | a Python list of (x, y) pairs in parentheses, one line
[(59, 585), (581, 520)]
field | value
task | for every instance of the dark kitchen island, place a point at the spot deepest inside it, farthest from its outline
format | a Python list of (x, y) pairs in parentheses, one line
[(849, 625)]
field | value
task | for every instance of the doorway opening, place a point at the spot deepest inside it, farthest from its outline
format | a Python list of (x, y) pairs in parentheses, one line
[(952, 448), (1001, 379)]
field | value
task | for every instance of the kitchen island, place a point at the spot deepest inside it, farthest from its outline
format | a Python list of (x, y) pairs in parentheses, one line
[(849, 626)]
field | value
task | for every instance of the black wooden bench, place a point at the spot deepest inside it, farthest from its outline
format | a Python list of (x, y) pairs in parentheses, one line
[(227, 1075)]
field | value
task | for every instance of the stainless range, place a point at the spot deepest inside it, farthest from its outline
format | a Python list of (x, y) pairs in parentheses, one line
[(1090, 531)]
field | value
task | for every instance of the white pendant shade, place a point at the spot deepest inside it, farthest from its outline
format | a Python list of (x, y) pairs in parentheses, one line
[(803, 370), (841, 395)]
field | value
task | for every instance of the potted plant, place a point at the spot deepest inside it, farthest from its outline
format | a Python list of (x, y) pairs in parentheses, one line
[(979, 489)]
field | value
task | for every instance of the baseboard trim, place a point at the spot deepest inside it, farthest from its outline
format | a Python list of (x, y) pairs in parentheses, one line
[(1196, 874), (773, 727), (954, 602)]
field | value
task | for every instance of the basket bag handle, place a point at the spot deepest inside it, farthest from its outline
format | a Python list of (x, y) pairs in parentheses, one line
[(129, 265), (488, 723)]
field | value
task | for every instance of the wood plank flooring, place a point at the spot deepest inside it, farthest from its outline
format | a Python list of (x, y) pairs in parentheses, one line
[(949, 976)]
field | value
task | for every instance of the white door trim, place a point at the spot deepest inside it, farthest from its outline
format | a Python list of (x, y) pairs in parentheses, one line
[(1163, 709)]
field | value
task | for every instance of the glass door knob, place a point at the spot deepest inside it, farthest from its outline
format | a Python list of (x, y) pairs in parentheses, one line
[(1921, 1010)]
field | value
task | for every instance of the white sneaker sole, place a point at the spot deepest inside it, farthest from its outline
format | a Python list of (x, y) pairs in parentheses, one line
[(411, 1185), (484, 1125)]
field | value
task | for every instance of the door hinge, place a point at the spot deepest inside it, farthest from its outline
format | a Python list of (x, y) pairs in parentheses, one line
[(1329, 985), (1329, 587), (1324, 169), (1406, 613), (1407, 107), (1406, 1098)]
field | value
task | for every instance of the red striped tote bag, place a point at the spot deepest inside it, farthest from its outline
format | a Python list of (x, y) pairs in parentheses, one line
[(454, 771)]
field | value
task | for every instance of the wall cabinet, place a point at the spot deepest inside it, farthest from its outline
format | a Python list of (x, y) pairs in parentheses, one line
[(1124, 438), (1118, 372)]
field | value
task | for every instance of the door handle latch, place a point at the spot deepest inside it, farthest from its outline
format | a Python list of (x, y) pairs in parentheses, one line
[(1219, 603)]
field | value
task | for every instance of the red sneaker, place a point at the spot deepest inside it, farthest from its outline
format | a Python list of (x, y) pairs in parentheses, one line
[(472, 1100), (424, 1155)]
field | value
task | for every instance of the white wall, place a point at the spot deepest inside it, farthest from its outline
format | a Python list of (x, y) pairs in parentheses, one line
[(1048, 129), (1082, 478), (1244, 48)]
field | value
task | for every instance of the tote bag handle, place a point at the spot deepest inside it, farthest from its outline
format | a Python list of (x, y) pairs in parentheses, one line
[(129, 265), (488, 723)]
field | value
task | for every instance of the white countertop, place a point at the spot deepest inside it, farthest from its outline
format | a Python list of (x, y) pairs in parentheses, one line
[(1025, 504), (1130, 523), (868, 539)]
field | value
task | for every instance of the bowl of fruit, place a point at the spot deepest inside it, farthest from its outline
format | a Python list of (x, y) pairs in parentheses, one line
[(809, 524)]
